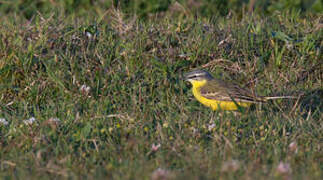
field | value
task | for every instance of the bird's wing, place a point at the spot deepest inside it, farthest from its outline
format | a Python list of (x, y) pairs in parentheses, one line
[(224, 91)]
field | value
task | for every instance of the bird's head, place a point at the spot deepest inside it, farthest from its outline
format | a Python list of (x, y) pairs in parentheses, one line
[(198, 76)]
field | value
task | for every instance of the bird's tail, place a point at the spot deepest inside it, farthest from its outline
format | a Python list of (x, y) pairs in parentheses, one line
[(279, 97)]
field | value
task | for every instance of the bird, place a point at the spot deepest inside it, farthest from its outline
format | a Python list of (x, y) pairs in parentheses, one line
[(219, 94)]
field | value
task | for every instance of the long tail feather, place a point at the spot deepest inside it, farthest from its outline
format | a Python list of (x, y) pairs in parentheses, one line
[(280, 97)]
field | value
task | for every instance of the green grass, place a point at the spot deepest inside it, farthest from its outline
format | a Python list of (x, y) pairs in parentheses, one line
[(137, 98)]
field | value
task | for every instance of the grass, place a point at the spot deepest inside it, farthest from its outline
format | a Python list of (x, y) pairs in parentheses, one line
[(109, 102)]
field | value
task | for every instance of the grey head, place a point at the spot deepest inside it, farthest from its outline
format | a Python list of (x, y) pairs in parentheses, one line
[(197, 75)]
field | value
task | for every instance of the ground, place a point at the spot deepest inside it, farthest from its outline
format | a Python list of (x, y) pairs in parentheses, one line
[(84, 97)]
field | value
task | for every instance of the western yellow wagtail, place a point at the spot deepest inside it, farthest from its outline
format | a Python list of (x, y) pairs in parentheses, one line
[(219, 94)]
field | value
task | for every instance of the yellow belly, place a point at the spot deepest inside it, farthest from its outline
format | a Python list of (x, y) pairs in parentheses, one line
[(215, 104)]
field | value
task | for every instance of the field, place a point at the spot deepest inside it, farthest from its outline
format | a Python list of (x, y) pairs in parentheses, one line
[(99, 94)]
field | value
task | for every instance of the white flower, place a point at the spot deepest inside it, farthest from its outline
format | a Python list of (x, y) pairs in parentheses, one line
[(221, 42), (4, 121), (155, 147), (85, 89), (29, 121), (293, 147), (89, 35), (283, 168)]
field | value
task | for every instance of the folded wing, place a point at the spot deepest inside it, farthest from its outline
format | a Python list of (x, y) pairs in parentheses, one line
[(224, 91)]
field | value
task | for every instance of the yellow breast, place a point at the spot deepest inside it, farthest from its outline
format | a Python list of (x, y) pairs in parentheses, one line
[(214, 104)]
